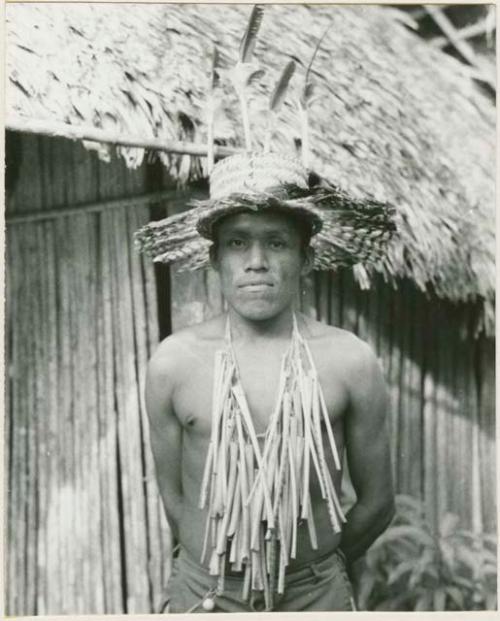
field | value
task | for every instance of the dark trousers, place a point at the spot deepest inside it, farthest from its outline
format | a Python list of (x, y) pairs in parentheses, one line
[(318, 585)]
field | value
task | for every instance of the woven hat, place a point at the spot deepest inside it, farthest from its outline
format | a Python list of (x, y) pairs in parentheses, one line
[(256, 182), (346, 230)]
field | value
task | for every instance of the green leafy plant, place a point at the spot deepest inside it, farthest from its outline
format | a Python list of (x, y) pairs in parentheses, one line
[(415, 566)]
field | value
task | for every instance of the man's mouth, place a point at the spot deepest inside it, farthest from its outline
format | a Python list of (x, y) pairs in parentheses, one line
[(257, 285)]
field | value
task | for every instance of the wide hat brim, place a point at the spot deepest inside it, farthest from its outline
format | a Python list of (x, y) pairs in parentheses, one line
[(347, 230), (287, 201)]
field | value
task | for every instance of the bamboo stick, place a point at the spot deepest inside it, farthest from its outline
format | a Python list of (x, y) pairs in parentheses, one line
[(12, 292), (285, 441), (236, 509), (234, 546), (306, 455), (324, 409), (84, 288), (125, 450), (94, 318), (44, 369), (257, 578), (108, 424), (134, 219), (33, 409), (80, 441), (17, 521), (263, 570), (240, 397), (293, 485), (36, 215), (23, 449), (98, 313), (90, 360), (273, 423), (222, 534), (223, 451), (213, 567), (64, 445), (93, 134), (245, 543), (220, 581), (204, 550), (311, 527), (130, 438), (299, 466), (206, 476), (247, 581)]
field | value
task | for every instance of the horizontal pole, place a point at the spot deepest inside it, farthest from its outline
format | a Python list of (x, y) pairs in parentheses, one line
[(461, 45), (133, 201), (468, 32), (94, 134)]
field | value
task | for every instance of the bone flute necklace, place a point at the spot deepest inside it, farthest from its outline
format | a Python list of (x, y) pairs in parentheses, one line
[(257, 497)]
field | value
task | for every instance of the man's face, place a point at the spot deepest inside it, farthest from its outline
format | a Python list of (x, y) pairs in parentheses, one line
[(260, 261)]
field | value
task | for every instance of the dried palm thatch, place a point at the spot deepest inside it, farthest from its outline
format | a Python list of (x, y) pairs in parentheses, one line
[(393, 118)]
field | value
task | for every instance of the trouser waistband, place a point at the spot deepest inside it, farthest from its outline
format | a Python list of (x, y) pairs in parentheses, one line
[(297, 572)]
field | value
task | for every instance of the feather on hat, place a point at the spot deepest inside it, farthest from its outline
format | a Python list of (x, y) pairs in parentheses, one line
[(346, 230)]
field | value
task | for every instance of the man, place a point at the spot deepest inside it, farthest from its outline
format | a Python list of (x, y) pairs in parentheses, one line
[(261, 256)]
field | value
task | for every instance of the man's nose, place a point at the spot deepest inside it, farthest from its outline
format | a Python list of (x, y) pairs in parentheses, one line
[(257, 257)]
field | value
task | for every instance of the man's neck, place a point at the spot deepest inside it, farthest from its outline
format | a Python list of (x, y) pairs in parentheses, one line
[(275, 328)]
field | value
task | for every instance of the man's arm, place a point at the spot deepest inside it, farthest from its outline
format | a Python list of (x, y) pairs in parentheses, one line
[(165, 433), (368, 456)]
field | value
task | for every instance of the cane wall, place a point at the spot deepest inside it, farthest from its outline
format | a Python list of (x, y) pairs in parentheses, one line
[(86, 533)]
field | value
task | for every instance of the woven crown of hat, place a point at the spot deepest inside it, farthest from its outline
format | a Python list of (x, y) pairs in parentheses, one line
[(255, 182), (347, 230)]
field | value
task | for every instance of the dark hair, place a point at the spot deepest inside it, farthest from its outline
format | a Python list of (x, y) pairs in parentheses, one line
[(301, 223)]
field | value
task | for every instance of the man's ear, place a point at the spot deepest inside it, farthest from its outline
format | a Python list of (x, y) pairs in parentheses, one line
[(308, 263), (212, 253)]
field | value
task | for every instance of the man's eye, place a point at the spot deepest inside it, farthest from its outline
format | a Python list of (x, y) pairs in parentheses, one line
[(235, 243), (277, 244)]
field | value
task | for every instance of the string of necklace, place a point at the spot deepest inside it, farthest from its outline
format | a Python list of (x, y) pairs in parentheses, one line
[(257, 497)]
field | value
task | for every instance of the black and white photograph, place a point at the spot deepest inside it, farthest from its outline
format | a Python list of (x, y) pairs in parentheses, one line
[(249, 308)]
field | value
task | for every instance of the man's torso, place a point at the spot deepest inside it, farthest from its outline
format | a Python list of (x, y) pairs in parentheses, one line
[(259, 368)]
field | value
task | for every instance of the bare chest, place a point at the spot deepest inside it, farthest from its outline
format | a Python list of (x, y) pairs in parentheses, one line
[(260, 378)]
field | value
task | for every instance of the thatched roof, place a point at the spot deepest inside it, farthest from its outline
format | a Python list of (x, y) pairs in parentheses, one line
[(395, 118)]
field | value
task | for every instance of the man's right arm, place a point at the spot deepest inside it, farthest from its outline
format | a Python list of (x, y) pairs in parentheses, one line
[(165, 432)]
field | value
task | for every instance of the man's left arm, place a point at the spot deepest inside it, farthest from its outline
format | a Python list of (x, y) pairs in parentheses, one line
[(368, 455)]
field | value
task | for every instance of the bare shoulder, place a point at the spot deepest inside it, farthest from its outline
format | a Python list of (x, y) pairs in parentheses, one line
[(176, 352), (335, 345)]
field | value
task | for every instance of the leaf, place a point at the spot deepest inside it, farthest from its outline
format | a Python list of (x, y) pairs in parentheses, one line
[(448, 555), (439, 599), (456, 595), (467, 584), (367, 586), (281, 87), (448, 524), (249, 39), (417, 535), (468, 558), (400, 570), (423, 602), (491, 601)]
